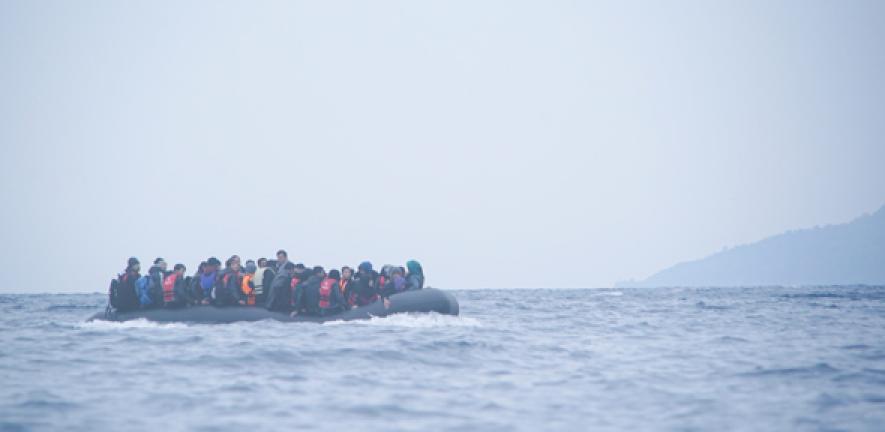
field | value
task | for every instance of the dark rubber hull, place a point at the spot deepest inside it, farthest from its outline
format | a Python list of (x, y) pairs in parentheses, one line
[(426, 300)]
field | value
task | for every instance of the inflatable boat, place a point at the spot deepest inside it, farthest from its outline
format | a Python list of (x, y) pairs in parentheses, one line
[(426, 300)]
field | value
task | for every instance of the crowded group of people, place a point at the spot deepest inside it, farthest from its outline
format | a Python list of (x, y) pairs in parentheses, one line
[(278, 285)]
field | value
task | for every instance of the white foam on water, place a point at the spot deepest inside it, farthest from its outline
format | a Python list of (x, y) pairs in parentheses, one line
[(140, 323), (413, 320)]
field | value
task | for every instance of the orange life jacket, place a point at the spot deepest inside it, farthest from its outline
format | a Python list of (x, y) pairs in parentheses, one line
[(342, 285), (326, 288), (169, 288), (248, 290)]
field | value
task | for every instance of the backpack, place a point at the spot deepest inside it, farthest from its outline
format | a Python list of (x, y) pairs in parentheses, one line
[(112, 293)]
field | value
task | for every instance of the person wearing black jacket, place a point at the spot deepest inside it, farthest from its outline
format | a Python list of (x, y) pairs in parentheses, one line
[(194, 291), (156, 274), (228, 285), (345, 283), (123, 296), (280, 294), (365, 285), (308, 293)]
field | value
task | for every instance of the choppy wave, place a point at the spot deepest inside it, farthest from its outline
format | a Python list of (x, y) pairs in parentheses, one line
[(632, 359)]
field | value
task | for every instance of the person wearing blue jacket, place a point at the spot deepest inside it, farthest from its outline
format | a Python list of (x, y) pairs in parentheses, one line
[(206, 282)]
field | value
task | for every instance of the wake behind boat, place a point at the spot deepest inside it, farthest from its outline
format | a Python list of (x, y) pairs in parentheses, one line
[(421, 301)]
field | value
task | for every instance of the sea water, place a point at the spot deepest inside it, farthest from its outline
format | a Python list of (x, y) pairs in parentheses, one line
[(633, 359)]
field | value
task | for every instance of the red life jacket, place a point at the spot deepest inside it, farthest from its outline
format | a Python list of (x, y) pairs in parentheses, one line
[(169, 288), (326, 288)]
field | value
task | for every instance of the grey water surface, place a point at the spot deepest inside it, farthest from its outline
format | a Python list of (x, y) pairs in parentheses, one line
[(628, 359)]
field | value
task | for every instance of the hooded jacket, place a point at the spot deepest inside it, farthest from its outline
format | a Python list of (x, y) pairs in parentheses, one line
[(364, 288), (155, 286), (310, 292), (415, 276), (414, 281), (123, 295)]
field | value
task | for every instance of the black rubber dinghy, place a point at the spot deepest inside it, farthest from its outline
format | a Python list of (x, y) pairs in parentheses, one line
[(426, 300)]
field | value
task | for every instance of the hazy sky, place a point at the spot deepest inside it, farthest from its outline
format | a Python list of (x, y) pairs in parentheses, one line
[(501, 143)]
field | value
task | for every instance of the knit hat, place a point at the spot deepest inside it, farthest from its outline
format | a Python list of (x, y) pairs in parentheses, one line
[(365, 265)]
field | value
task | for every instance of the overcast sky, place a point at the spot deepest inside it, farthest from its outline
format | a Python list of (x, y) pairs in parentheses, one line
[(500, 143)]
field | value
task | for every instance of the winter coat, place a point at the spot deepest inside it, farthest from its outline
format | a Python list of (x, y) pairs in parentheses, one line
[(280, 294), (123, 295), (228, 288), (310, 294), (365, 288)]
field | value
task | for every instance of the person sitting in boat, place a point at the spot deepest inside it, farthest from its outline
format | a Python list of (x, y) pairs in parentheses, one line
[(300, 275), (383, 276), (395, 282), (157, 273), (247, 286), (194, 291), (307, 293), (365, 285), (415, 275), (264, 276), (229, 284), (345, 284), (330, 300), (280, 294), (207, 280), (175, 285), (150, 286), (122, 294)]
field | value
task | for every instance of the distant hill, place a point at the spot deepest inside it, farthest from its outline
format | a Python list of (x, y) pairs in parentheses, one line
[(850, 253)]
